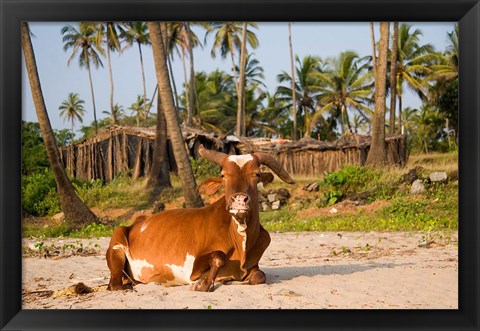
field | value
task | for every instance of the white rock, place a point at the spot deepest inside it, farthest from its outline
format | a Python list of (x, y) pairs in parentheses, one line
[(333, 211), (438, 177), (272, 197), (276, 205), (417, 187)]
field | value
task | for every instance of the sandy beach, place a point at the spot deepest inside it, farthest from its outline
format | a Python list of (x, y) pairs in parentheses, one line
[(308, 270)]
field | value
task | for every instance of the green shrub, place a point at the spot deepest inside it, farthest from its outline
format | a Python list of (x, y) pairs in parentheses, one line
[(202, 168), (39, 194)]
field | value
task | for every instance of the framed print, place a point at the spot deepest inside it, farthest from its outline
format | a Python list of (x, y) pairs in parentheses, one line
[(217, 310)]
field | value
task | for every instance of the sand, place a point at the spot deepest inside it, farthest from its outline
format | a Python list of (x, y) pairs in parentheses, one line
[(309, 270)]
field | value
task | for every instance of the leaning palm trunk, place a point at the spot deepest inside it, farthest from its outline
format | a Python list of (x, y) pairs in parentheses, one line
[(374, 56), (393, 77), (377, 153), (192, 196), (191, 95), (294, 94), (75, 211), (145, 110), (241, 85), (93, 97), (111, 83)]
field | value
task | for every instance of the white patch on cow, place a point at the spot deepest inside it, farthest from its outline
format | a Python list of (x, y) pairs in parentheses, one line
[(181, 273), (136, 265), (240, 160), (144, 226), (242, 230)]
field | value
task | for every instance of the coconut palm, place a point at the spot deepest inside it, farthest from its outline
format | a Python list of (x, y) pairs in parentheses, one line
[(113, 44), (217, 101), (137, 32), (182, 40), (413, 64), (232, 37), (393, 77), (189, 186), (307, 87), (114, 115), (138, 108), (72, 109), (377, 154), (76, 212), (346, 85), (84, 40), (292, 72)]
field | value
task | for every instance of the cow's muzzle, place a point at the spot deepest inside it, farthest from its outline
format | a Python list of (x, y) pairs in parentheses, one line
[(239, 206)]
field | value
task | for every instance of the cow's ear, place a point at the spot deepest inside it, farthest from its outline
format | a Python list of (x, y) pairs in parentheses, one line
[(266, 177), (210, 186)]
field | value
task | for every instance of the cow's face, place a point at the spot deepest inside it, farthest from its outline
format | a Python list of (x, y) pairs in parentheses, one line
[(240, 177)]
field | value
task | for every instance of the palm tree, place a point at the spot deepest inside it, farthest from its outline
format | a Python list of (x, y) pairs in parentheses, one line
[(183, 38), (217, 102), (113, 44), (76, 212), (138, 108), (190, 190), (229, 38), (414, 64), (241, 121), (292, 71), (393, 77), (377, 154), (84, 41), (137, 32), (115, 114), (346, 84), (72, 110), (307, 87)]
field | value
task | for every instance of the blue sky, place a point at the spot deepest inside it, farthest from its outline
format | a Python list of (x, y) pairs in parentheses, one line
[(321, 39)]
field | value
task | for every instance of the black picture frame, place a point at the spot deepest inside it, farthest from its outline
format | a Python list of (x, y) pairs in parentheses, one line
[(13, 12)]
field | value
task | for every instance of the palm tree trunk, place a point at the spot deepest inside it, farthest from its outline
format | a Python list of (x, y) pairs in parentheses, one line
[(393, 77), (294, 94), (241, 85), (377, 153), (93, 98), (192, 75), (160, 173), (75, 211), (400, 111), (111, 81), (192, 196), (374, 56), (187, 90), (235, 78), (143, 81)]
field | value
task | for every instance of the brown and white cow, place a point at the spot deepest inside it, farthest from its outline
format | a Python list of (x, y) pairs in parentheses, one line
[(223, 241)]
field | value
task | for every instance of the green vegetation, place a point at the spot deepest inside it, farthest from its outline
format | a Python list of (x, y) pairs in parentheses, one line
[(389, 206)]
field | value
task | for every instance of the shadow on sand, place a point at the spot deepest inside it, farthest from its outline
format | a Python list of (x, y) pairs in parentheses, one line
[(279, 274)]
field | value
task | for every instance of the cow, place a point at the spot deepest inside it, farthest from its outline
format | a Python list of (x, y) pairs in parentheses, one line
[(220, 242)]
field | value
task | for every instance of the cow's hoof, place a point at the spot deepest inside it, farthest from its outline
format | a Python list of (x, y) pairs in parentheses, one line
[(258, 277), (125, 287), (203, 286)]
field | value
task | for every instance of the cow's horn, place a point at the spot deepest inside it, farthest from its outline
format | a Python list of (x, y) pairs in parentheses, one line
[(276, 167), (213, 156)]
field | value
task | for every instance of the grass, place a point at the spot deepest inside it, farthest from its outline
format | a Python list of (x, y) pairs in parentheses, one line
[(436, 210)]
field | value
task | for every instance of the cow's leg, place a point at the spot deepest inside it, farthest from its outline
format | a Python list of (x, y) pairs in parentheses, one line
[(257, 276), (116, 259), (212, 262)]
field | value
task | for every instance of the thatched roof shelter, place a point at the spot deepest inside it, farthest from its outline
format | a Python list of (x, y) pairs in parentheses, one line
[(121, 149)]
